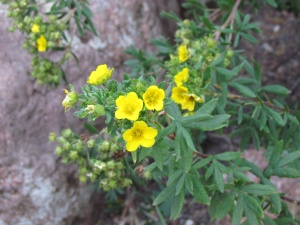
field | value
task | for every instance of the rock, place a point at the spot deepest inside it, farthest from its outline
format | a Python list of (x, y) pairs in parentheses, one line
[(36, 188)]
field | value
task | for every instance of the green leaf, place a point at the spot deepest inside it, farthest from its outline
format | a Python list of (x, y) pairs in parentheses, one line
[(255, 138), (259, 189), (174, 177), (218, 178), (263, 119), (240, 115), (214, 123), (272, 3), (173, 110), (221, 204), (254, 169), (177, 144), (238, 211), (166, 131), (242, 89), (276, 154), (227, 156), (187, 120), (177, 204), (189, 184), (209, 171), (228, 74), (275, 115), (134, 156), (253, 210), (286, 172), (202, 163), (268, 221), (200, 193), (180, 184), (170, 15), (219, 59), (164, 194), (208, 107), (158, 153), (160, 216), (90, 128), (293, 119), (289, 158), (276, 89)]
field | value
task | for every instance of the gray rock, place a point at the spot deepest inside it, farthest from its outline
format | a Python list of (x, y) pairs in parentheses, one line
[(35, 188)]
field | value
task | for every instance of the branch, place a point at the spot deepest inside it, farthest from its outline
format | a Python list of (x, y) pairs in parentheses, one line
[(230, 19)]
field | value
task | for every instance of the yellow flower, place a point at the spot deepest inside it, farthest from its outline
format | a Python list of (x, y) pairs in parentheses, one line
[(41, 43), (100, 75), (35, 28), (153, 98), (187, 101), (139, 134), (70, 99), (179, 94), (129, 106), (183, 53), (182, 76)]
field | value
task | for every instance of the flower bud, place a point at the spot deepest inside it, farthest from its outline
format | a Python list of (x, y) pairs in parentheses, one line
[(61, 140), (66, 133), (111, 164), (105, 145), (70, 99), (91, 143), (58, 151), (66, 146), (52, 137), (99, 110), (74, 155), (82, 179), (78, 145), (229, 53), (114, 147)]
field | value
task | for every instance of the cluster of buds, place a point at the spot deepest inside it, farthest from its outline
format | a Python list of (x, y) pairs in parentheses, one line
[(41, 36), (97, 160), (45, 71)]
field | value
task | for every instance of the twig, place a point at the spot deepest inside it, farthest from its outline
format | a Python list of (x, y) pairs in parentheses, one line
[(201, 155), (229, 19), (290, 200)]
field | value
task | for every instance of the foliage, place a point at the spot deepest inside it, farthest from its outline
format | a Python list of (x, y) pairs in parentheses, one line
[(208, 84), (46, 25)]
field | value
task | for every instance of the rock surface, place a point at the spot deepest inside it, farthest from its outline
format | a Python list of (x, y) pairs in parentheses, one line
[(35, 188)]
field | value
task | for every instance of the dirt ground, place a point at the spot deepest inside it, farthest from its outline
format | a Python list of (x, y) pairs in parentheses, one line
[(279, 56)]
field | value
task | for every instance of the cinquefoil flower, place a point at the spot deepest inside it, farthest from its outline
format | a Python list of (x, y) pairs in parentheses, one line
[(35, 28), (41, 43), (179, 94), (189, 103), (129, 106), (100, 75), (183, 53), (154, 98), (139, 135), (70, 99), (181, 77)]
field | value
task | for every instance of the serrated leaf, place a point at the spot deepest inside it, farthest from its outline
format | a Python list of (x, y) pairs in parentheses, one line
[(218, 178), (286, 172), (173, 110), (180, 184), (259, 189), (177, 204), (275, 115), (238, 212), (174, 177), (289, 158), (276, 89), (166, 131), (221, 204), (214, 123), (268, 221), (164, 194), (202, 163), (228, 74), (253, 210), (242, 89), (208, 107), (227, 156), (200, 193)]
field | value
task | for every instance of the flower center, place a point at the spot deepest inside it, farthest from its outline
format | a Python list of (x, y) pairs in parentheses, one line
[(129, 109), (137, 133)]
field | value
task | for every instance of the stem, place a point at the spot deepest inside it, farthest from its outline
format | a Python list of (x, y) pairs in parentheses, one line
[(230, 19)]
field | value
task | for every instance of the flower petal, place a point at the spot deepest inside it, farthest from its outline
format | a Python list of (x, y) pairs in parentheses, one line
[(127, 136), (132, 145), (147, 143), (149, 133)]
